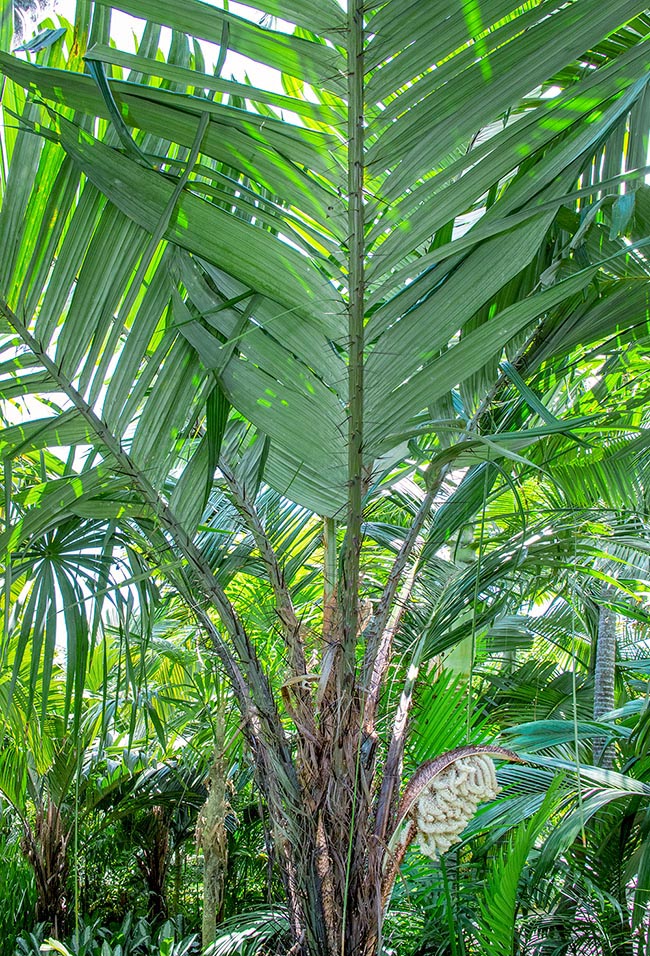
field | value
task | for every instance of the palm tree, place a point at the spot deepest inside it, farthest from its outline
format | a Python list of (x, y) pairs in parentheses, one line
[(48, 775), (214, 279)]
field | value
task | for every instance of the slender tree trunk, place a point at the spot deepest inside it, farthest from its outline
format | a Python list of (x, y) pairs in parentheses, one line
[(212, 837), (604, 674), (460, 659)]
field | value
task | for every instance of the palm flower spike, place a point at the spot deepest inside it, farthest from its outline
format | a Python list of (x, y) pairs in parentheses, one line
[(440, 799)]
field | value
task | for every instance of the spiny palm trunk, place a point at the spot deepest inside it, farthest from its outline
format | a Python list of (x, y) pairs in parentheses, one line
[(604, 674)]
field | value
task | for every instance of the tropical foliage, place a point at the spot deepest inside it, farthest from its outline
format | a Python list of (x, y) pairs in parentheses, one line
[(342, 355)]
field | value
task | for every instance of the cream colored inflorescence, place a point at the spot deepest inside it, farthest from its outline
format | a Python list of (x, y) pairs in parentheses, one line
[(447, 804)]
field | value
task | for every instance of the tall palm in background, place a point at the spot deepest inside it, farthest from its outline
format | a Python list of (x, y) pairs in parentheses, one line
[(209, 281)]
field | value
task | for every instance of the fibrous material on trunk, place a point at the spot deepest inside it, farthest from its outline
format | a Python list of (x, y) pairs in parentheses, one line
[(212, 838), (45, 844)]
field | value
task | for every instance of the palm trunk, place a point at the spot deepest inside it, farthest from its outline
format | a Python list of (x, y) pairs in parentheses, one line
[(154, 863), (335, 783), (342, 810), (45, 844), (212, 837), (604, 674)]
